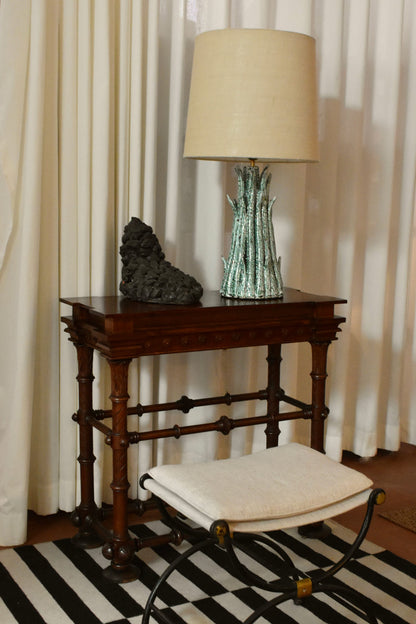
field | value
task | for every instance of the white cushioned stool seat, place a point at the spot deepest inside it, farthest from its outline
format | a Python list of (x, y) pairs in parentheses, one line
[(280, 487)]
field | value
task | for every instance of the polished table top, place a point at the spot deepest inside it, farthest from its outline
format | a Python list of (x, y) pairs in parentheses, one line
[(120, 327), (115, 305)]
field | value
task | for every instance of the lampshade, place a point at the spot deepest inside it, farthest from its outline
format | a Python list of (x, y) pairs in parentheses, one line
[(253, 95)]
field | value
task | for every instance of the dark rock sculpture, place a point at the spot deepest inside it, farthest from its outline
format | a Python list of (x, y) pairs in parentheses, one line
[(146, 275)]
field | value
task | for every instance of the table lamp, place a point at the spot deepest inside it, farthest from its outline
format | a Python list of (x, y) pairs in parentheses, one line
[(252, 98)]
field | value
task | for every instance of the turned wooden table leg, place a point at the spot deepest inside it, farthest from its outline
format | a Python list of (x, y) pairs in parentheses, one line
[(319, 414), (84, 514), (273, 387), (319, 409), (122, 548)]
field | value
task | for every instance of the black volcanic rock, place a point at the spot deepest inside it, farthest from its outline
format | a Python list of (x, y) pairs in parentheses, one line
[(146, 274)]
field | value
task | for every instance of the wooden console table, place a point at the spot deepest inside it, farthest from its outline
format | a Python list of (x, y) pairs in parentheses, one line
[(120, 330)]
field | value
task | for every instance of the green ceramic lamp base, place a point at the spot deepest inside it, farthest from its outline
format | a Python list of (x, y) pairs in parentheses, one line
[(252, 270)]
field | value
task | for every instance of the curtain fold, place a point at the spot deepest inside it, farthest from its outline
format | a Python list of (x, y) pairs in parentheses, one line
[(92, 121), (28, 278)]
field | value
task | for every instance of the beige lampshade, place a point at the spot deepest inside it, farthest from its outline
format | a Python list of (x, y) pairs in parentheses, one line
[(253, 95)]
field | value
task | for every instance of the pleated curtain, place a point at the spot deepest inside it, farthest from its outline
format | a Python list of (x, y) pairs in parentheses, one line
[(92, 120)]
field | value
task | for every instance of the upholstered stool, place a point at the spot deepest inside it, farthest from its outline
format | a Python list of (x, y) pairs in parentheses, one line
[(234, 500)]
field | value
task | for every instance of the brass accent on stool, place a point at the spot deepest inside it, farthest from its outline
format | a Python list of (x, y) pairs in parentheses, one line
[(304, 587), (221, 531), (381, 497)]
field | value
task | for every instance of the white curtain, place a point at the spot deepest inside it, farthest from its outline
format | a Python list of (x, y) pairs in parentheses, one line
[(92, 117)]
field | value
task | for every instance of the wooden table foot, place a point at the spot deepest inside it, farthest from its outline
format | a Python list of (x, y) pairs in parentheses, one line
[(126, 574), (125, 566), (317, 530), (86, 540), (86, 537)]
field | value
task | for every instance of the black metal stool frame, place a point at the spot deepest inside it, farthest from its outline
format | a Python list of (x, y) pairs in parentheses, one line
[(291, 583)]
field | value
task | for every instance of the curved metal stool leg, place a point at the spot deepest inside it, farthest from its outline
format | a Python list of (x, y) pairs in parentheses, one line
[(293, 584), (319, 582), (376, 498), (241, 538), (352, 594), (371, 619), (171, 568), (282, 584), (268, 605)]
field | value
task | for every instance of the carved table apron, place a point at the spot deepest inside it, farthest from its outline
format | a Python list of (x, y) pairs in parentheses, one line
[(121, 329)]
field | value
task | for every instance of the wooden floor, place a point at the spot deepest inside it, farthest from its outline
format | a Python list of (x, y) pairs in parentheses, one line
[(394, 472)]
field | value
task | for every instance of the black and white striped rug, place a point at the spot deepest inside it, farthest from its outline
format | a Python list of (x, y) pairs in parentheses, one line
[(59, 584)]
